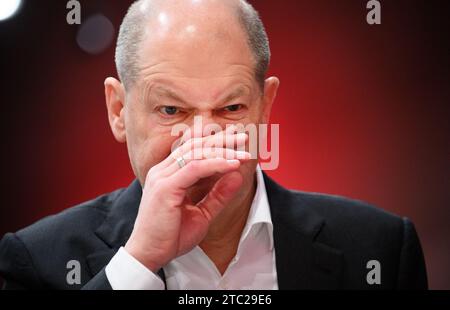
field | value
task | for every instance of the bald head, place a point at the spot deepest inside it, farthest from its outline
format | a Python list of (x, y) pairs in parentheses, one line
[(215, 20)]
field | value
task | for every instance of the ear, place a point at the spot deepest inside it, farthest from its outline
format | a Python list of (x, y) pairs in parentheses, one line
[(270, 92), (115, 103)]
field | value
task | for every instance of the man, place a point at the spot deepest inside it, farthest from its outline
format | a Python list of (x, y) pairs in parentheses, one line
[(214, 221)]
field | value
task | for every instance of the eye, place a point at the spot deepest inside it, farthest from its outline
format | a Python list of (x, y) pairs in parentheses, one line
[(233, 108), (169, 110)]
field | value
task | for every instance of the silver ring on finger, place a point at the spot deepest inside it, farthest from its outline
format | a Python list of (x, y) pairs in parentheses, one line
[(181, 162)]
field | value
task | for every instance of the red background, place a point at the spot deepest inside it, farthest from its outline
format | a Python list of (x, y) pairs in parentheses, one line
[(363, 111)]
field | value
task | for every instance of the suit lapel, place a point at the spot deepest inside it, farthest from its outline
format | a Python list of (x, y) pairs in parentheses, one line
[(117, 227), (302, 261)]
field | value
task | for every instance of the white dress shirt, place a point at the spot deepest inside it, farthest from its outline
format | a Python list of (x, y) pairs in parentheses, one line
[(253, 267)]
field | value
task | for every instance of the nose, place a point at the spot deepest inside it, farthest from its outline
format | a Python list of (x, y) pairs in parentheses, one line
[(204, 124)]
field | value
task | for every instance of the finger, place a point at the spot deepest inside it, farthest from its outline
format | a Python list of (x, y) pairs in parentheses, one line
[(218, 140), (216, 152), (229, 130), (220, 195), (200, 169), (231, 141), (232, 137), (232, 129), (206, 153)]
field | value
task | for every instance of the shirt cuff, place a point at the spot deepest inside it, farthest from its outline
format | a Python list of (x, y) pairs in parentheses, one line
[(124, 272)]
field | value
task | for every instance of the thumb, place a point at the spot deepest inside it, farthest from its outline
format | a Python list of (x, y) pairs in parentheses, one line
[(221, 194)]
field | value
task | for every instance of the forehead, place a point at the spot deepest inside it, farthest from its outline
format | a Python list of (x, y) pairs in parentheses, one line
[(191, 93), (197, 69), (194, 46)]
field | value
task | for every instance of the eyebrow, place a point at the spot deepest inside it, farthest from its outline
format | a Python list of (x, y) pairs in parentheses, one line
[(240, 91), (169, 93)]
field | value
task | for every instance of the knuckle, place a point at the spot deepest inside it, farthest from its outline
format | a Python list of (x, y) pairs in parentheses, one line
[(187, 156), (153, 179), (217, 195), (151, 174), (151, 171), (194, 165), (191, 143)]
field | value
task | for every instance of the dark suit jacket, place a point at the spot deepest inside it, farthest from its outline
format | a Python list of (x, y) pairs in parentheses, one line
[(321, 242)]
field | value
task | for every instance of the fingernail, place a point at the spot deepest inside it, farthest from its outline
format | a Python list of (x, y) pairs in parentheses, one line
[(233, 161), (242, 154)]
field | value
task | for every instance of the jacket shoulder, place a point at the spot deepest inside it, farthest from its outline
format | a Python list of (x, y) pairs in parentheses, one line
[(362, 233), (36, 256), (78, 219), (335, 211), (355, 225), (339, 210)]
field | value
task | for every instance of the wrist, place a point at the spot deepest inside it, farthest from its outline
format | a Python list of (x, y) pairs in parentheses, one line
[(143, 257)]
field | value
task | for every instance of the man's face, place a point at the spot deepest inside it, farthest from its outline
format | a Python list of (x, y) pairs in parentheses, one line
[(191, 72)]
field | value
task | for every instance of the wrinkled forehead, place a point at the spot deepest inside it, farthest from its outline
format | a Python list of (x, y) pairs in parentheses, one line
[(203, 42)]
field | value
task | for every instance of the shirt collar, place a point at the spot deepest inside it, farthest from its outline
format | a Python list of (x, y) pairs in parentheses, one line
[(259, 210)]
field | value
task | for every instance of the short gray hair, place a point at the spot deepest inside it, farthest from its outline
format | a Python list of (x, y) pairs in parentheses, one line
[(131, 34)]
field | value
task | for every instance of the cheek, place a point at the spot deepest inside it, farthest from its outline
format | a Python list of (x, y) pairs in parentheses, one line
[(148, 145), (148, 153), (255, 112), (155, 147)]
